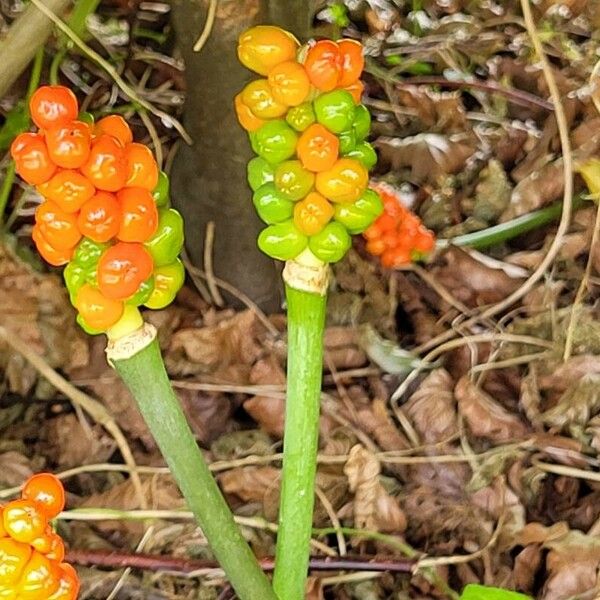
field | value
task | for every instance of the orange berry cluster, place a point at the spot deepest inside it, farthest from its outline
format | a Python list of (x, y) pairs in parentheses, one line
[(308, 129), (31, 553), (398, 236), (99, 213)]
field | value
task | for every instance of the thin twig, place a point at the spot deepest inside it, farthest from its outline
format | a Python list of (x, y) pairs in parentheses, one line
[(96, 410), (150, 562), (208, 26), (112, 72), (209, 242)]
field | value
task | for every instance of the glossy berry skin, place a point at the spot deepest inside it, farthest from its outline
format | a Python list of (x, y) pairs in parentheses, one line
[(352, 62), (47, 492), (166, 243), (106, 166), (318, 148), (356, 90), (115, 126), (356, 217), (32, 160), (275, 141), (161, 193), (263, 47), (100, 217), (282, 241), (142, 170), (258, 97), (344, 182), (335, 110), (168, 280), (14, 556), (292, 180), (121, 270), (289, 83), (69, 144), (312, 214), (138, 215), (58, 227), (40, 578), (98, 311), (323, 63), (331, 243), (300, 117), (247, 119), (271, 205), (49, 253), (68, 586), (259, 172), (69, 189), (52, 106), (365, 154), (23, 521)]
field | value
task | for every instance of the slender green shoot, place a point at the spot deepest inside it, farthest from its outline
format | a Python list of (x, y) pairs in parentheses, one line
[(144, 373), (306, 321)]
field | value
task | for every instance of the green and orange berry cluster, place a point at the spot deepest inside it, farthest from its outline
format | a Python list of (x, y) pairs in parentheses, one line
[(398, 237), (105, 213), (308, 128), (32, 555)]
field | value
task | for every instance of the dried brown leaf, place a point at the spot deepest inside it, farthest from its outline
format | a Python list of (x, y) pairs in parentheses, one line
[(484, 416), (377, 422), (374, 508), (15, 468), (432, 408), (429, 156)]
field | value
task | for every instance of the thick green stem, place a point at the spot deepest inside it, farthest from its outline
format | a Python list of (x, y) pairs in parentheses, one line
[(306, 320), (145, 376)]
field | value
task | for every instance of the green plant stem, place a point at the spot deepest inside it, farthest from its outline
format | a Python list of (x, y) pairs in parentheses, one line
[(306, 321), (145, 376), (7, 183), (511, 229)]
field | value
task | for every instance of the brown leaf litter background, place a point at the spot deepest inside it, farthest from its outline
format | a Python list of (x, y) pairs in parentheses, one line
[(483, 465)]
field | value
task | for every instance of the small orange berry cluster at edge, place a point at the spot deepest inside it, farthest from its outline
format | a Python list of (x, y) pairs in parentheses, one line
[(32, 555), (398, 236)]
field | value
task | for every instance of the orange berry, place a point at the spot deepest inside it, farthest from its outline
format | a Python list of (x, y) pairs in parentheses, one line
[(99, 217), (247, 119), (317, 148), (56, 553), (289, 83), (139, 215), (98, 311), (353, 61), (323, 64), (69, 144), (263, 47), (68, 587), (23, 520), (116, 126), (258, 97), (40, 578), (47, 492), (57, 226), (69, 189), (106, 166), (344, 182), (13, 558), (312, 213), (142, 170), (121, 270), (49, 253), (32, 160), (53, 105), (356, 90)]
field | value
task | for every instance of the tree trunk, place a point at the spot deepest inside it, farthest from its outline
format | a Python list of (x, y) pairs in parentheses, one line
[(209, 177)]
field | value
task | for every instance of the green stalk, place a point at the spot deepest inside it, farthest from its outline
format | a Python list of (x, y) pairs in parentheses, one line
[(503, 232), (144, 374), (306, 321)]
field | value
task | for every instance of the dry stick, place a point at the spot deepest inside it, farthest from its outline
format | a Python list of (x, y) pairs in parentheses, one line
[(112, 72), (88, 404), (210, 21), (565, 219), (100, 558), (24, 37), (209, 241)]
